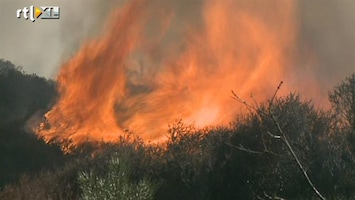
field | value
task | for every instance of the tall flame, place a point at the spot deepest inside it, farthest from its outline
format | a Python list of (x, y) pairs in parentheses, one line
[(152, 66)]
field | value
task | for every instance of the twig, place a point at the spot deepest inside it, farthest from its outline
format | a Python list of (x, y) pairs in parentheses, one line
[(282, 136), (240, 147), (248, 106), (266, 150), (285, 140), (274, 96), (272, 135), (273, 198)]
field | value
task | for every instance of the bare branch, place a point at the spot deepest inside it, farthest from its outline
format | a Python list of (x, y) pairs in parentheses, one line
[(284, 138), (274, 197), (248, 106), (241, 148), (274, 136), (274, 96), (281, 136), (266, 150)]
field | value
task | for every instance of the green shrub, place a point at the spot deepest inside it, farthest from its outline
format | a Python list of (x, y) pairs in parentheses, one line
[(115, 183)]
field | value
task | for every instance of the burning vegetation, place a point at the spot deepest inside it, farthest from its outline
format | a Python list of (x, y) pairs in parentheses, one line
[(285, 148), (151, 66), (145, 111)]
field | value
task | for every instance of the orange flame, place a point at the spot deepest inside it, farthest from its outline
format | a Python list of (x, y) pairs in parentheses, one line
[(151, 68)]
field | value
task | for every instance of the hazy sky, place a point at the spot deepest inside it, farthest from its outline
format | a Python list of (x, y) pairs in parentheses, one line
[(327, 30), (41, 46)]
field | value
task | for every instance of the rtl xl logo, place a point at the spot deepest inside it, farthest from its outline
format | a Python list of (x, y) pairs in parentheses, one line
[(42, 12)]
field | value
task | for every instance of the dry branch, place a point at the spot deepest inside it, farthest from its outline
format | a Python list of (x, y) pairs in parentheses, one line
[(281, 135)]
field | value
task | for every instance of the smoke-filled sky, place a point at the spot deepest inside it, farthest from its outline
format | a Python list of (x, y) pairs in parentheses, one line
[(142, 64), (41, 46), (326, 38)]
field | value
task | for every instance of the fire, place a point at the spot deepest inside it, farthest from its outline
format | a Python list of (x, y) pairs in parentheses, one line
[(152, 66)]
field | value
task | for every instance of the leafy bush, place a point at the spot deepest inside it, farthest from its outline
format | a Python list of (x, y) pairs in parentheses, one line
[(115, 184), (58, 184)]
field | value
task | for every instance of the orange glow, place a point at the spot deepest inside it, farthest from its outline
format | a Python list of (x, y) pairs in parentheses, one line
[(138, 77)]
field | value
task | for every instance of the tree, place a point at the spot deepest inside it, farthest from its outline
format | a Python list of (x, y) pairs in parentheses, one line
[(342, 99), (293, 123)]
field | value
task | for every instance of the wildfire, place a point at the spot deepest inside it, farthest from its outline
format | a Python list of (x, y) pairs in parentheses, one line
[(153, 66)]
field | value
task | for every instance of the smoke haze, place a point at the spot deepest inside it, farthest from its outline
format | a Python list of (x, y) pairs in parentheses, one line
[(327, 35), (142, 64), (326, 29), (42, 46), (165, 60)]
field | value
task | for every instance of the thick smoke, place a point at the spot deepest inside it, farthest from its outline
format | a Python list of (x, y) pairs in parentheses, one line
[(41, 46), (327, 37), (159, 61)]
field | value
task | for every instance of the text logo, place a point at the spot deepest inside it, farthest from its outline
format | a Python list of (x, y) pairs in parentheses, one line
[(41, 12)]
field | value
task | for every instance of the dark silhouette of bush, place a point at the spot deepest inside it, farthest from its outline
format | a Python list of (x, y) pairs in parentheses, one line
[(304, 127), (342, 137), (58, 184), (22, 96)]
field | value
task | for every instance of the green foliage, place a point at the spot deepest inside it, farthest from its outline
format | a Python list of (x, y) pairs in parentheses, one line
[(58, 184), (115, 184)]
